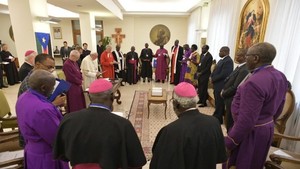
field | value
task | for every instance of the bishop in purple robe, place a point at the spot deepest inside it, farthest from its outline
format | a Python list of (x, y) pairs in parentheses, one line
[(38, 120), (75, 97), (257, 103), (162, 64)]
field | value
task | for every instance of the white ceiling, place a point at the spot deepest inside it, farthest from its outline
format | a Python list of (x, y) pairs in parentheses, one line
[(118, 8)]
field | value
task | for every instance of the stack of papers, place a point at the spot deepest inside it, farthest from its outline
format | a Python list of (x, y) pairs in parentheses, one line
[(156, 91)]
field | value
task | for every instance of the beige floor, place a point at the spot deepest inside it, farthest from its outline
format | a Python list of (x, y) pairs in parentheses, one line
[(127, 92)]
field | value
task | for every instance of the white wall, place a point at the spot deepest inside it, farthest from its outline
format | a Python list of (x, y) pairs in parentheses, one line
[(67, 34), (137, 31), (4, 33)]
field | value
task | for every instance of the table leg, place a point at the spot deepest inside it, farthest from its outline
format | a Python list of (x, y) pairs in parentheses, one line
[(118, 96), (148, 109), (165, 110)]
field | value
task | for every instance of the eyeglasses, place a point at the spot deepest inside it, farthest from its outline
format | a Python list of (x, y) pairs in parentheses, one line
[(49, 67)]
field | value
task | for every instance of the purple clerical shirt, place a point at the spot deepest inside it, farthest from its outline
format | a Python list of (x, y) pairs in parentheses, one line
[(38, 120), (256, 104)]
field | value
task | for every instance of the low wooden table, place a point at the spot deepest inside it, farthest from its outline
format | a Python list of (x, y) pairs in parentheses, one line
[(158, 100)]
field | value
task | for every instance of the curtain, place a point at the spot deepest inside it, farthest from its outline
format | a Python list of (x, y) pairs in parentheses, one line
[(282, 31), (222, 26)]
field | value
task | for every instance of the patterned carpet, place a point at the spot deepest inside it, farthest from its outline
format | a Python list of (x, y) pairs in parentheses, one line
[(147, 129)]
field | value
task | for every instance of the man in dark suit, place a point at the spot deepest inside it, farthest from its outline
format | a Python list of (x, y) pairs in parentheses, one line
[(203, 75), (65, 51), (223, 69), (231, 84), (176, 58)]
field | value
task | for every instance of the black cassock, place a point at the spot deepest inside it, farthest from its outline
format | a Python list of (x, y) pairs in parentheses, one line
[(132, 61), (10, 69), (24, 70), (95, 135), (194, 141), (146, 59)]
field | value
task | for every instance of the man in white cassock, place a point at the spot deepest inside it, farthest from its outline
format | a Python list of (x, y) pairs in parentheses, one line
[(89, 69)]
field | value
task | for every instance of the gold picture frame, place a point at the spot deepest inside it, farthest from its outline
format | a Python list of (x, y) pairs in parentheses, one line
[(160, 35), (252, 23), (57, 34)]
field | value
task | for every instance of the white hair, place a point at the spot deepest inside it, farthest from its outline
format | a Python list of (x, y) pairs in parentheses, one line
[(186, 102)]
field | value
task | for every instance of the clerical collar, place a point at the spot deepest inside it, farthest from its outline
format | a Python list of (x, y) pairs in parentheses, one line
[(101, 106), (261, 67), (193, 108), (205, 53)]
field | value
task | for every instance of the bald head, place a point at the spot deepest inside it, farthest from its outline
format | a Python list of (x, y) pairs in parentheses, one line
[(42, 81), (74, 55), (265, 51)]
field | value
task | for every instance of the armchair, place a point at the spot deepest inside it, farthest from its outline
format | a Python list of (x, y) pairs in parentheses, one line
[(281, 161), (9, 142), (6, 118), (284, 116)]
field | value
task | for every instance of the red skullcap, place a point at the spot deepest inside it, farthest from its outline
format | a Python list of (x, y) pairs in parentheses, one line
[(100, 85), (29, 52), (185, 89)]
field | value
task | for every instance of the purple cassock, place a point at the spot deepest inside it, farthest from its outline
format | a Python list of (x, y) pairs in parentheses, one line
[(75, 97), (187, 54), (38, 120), (257, 103), (162, 65)]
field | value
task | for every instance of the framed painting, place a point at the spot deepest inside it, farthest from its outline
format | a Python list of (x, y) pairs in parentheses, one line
[(160, 35), (57, 34), (252, 23)]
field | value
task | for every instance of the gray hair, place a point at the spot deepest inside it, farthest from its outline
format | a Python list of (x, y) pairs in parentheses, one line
[(100, 96), (186, 102)]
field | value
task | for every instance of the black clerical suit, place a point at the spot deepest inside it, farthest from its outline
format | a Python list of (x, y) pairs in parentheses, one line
[(24, 70), (223, 69), (95, 135), (132, 69), (84, 54), (178, 65), (1, 75), (204, 72), (10, 68), (65, 53), (231, 84), (146, 59), (193, 141)]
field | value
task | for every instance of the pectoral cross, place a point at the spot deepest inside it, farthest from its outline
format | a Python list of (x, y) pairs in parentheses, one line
[(118, 36)]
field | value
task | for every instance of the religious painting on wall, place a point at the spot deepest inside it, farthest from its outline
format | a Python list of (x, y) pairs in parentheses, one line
[(252, 24), (118, 36), (43, 43), (160, 35)]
